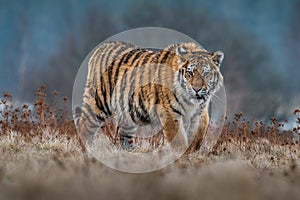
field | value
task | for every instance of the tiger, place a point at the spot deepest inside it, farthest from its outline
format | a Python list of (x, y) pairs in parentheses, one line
[(169, 87)]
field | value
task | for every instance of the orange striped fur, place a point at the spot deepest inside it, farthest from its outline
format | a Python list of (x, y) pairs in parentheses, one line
[(170, 88)]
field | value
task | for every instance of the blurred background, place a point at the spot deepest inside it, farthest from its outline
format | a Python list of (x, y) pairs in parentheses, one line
[(44, 42)]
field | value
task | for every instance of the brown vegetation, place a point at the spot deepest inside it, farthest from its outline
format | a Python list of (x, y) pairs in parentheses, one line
[(41, 157)]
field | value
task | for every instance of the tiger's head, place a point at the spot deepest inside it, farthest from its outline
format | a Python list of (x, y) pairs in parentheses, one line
[(201, 77)]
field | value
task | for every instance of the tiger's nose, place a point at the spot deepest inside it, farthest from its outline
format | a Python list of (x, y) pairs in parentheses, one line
[(200, 89), (197, 89)]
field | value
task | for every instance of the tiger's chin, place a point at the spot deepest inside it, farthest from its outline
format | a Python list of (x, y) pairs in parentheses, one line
[(200, 98)]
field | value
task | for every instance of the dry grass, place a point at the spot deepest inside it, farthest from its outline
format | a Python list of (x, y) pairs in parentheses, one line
[(41, 158)]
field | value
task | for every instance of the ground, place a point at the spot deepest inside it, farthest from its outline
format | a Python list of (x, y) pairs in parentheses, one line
[(53, 166), (41, 157)]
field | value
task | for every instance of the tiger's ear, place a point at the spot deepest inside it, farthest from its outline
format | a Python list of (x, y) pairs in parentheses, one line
[(180, 51), (218, 57), (181, 61)]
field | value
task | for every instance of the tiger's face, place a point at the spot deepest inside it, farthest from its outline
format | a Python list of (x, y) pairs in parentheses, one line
[(202, 76)]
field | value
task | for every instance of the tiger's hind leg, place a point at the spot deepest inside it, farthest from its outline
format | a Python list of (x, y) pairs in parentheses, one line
[(126, 134), (87, 122)]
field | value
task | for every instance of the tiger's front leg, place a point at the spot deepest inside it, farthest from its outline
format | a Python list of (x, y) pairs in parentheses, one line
[(198, 134), (173, 130)]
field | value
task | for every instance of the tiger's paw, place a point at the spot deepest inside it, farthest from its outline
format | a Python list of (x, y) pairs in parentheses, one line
[(128, 145)]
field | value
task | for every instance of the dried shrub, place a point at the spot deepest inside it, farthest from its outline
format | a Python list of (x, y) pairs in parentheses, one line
[(31, 120)]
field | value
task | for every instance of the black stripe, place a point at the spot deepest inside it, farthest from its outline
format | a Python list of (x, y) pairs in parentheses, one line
[(91, 93), (158, 68), (116, 45), (144, 116), (156, 58), (124, 80), (163, 60), (104, 93), (101, 56), (159, 87), (118, 129), (181, 78), (89, 109), (137, 56), (174, 93), (138, 115), (177, 100), (121, 62), (156, 87), (106, 53), (92, 67), (86, 96), (175, 110), (126, 135), (122, 51), (149, 71), (130, 106), (106, 106), (181, 74), (109, 73), (92, 113), (102, 86), (110, 66), (130, 54), (142, 73), (140, 67), (178, 77), (146, 58), (118, 69), (90, 123), (133, 73), (99, 103)]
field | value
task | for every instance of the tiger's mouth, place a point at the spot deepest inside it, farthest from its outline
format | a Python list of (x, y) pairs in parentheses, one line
[(201, 97)]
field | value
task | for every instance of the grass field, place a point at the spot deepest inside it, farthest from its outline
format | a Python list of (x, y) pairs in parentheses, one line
[(41, 158)]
